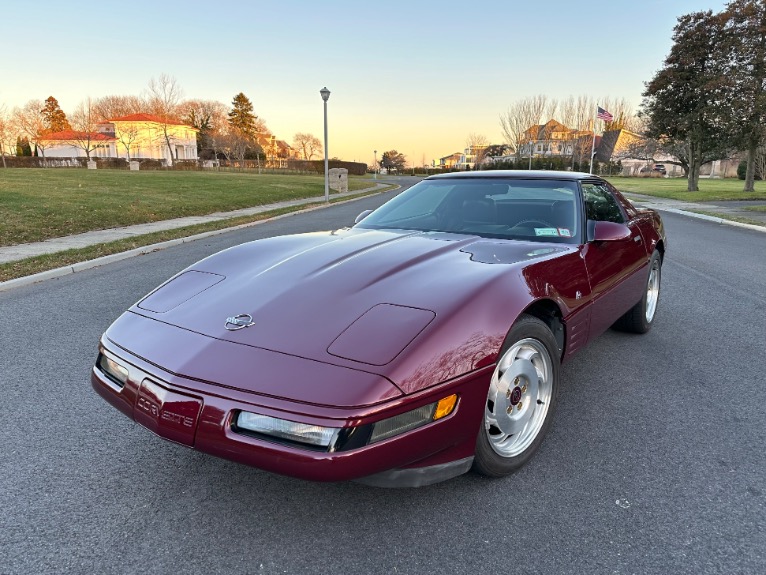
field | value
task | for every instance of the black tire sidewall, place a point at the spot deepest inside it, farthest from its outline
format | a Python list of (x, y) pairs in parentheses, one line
[(640, 324)]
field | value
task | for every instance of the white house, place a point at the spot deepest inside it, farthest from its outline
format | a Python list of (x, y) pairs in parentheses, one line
[(130, 137), (72, 144), (143, 136)]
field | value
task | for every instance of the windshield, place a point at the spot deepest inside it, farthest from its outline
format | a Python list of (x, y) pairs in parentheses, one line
[(536, 210)]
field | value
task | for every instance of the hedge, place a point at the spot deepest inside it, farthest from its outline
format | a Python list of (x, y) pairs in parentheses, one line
[(307, 166), (354, 168)]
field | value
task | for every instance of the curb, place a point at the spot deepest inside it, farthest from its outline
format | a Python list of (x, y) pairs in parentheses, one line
[(706, 217), (89, 264), (715, 219)]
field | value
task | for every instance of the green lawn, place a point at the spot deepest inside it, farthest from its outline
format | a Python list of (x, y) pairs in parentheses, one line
[(675, 188), (39, 204)]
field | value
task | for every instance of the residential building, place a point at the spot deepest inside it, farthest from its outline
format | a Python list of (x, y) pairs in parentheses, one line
[(551, 139), (451, 161), (72, 144), (470, 156), (277, 152), (135, 136)]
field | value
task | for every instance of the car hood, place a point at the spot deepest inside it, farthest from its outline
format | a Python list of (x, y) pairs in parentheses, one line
[(355, 298)]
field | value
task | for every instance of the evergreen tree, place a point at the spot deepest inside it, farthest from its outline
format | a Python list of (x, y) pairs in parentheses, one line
[(242, 118), (22, 146), (54, 117)]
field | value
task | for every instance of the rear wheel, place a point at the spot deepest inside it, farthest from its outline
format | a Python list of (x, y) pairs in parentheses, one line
[(640, 317), (521, 399)]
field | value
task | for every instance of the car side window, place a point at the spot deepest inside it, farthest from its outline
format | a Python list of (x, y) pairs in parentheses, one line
[(630, 211), (600, 204)]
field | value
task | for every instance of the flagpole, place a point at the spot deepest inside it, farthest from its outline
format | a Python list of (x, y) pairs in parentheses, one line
[(593, 143)]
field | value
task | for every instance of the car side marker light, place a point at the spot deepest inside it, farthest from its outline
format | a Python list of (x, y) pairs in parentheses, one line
[(445, 406), (412, 419)]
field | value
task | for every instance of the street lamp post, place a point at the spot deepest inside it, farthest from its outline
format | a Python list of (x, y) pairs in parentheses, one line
[(531, 146), (375, 166), (325, 93)]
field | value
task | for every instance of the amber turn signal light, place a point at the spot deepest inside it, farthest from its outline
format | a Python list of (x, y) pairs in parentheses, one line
[(445, 406)]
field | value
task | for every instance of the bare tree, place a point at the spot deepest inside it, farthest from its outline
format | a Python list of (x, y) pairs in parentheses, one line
[(585, 109), (210, 118), (235, 145), (109, 107), (307, 145), (622, 112), (477, 147), (127, 136), (164, 98), (517, 123), (568, 117), (84, 134), (31, 123)]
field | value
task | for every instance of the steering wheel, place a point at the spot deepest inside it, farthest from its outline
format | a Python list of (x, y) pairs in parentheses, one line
[(525, 223)]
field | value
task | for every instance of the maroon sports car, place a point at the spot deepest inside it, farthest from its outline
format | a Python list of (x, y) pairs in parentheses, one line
[(420, 343)]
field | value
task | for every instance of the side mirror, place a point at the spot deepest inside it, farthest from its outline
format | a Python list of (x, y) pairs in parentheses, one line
[(607, 231), (361, 216)]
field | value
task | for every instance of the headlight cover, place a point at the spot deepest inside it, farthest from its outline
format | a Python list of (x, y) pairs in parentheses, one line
[(117, 373), (305, 433), (333, 439)]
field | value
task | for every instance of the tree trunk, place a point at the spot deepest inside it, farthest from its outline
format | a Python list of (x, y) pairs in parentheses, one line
[(750, 173), (170, 150), (694, 175)]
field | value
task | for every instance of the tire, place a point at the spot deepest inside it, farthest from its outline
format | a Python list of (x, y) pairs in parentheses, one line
[(522, 398), (640, 317)]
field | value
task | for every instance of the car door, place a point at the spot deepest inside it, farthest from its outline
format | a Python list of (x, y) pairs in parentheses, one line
[(616, 268)]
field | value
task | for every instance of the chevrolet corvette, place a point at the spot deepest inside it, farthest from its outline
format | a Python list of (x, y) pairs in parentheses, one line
[(420, 343)]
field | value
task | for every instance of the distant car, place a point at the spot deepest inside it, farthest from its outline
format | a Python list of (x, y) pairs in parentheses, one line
[(420, 343), (659, 168)]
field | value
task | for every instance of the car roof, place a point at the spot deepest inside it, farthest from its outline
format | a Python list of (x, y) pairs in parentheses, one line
[(515, 175)]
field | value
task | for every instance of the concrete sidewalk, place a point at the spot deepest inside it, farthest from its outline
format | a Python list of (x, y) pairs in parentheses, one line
[(23, 251)]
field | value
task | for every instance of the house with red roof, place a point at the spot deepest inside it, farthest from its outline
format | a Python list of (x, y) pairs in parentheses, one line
[(131, 137), (77, 144)]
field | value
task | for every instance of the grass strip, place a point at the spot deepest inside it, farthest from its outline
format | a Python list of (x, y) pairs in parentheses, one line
[(730, 217), (37, 264), (711, 190), (37, 204)]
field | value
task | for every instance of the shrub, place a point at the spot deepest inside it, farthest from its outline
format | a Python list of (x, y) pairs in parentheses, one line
[(108, 163), (185, 165)]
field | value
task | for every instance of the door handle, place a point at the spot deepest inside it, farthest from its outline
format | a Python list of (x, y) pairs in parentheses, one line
[(637, 239)]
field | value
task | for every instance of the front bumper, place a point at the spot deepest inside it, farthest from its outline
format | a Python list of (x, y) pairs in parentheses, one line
[(201, 415)]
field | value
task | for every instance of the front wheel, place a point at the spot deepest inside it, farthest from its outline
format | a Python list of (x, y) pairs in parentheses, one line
[(640, 317), (521, 399)]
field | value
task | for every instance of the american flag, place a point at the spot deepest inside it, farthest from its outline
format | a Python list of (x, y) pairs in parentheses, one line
[(604, 115)]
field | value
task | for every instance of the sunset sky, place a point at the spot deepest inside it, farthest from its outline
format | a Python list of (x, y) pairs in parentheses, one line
[(415, 76)]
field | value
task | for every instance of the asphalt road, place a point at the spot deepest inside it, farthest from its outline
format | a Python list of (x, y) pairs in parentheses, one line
[(655, 462)]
